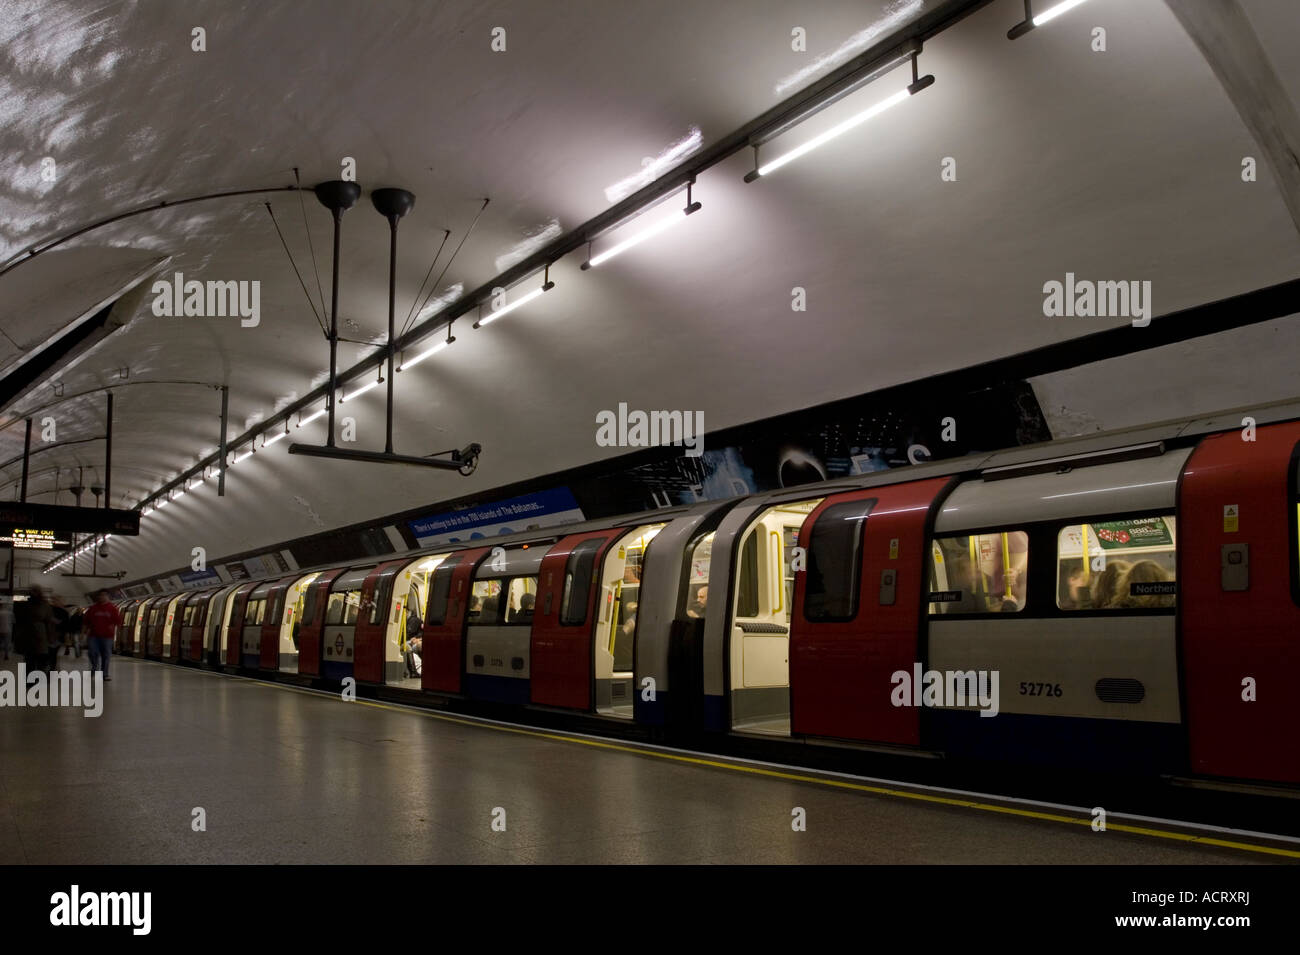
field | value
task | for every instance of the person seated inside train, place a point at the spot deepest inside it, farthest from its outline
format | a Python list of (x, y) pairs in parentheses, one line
[(413, 656), (525, 612), (699, 603), (476, 611), (1074, 588), (628, 626), (1105, 584), (1144, 572)]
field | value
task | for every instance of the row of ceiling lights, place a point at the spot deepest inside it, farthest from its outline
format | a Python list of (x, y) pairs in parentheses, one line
[(761, 169)]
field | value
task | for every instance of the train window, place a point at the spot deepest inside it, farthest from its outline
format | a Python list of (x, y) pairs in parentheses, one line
[(342, 608), (835, 561), (485, 602), (1117, 565), (697, 576), (351, 607), (521, 601), (578, 570), (747, 577), (334, 610), (979, 573), (439, 591), (309, 604), (253, 612)]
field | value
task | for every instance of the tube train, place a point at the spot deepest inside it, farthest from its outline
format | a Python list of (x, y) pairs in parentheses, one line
[(1126, 602)]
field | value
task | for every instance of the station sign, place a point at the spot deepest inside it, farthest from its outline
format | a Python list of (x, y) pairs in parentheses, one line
[(30, 538), (64, 519)]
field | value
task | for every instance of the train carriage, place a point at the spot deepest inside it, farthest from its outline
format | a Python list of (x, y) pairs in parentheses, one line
[(1123, 601)]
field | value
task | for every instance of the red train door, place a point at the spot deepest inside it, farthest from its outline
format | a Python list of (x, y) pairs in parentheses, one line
[(840, 670), (268, 657), (561, 655), (443, 661), (235, 631), (372, 622), (313, 622), (199, 625), (1237, 603)]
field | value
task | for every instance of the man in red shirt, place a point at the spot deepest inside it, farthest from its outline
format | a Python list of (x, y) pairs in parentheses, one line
[(101, 621)]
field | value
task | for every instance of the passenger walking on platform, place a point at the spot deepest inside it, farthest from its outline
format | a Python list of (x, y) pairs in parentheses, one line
[(70, 629), (6, 628), (34, 631), (101, 621)]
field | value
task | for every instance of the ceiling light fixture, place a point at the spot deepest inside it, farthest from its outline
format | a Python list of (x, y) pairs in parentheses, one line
[(663, 225), (763, 169), (1030, 21), (546, 286), (360, 391), (412, 362)]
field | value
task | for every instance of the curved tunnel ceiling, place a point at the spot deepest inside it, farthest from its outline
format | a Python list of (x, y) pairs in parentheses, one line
[(1123, 164)]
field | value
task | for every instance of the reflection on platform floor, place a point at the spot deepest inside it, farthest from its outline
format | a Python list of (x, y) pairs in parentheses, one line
[(284, 776)]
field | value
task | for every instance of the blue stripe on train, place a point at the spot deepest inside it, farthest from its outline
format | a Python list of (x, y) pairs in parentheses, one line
[(1066, 741), (497, 689), (251, 660), (335, 671)]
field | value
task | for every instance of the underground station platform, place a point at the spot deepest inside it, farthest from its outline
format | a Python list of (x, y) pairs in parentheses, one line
[(849, 446), (287, 775)]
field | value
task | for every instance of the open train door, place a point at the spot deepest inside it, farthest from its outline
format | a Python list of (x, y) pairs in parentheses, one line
[(235, 627), (313, 622), (561, 658), (443, 660), (1237, 603), (857, 612), (268, 655), (372, 622)]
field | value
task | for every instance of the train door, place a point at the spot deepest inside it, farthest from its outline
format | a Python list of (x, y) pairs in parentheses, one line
[(250, 633), (273, 623), (140, 629), (172, 626), (401, 596), (446, 617), (1238, 589), (372, 624), (499, 624), (234, 624), (311, 639), (758, 648), (562, 651), (214, 625), (857, 612), (157, 620), (185, 628), (192, 626), (126, 631), (621, 573), (286, 635), (341, 612)]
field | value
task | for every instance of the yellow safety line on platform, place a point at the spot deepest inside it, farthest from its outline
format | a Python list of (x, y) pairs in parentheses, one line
[(818, 780)]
